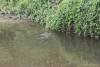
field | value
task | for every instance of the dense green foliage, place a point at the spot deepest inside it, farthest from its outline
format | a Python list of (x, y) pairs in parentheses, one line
[(82, 16), (35, 9)]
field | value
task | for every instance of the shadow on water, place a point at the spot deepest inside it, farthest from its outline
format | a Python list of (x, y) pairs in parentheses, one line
[(21, 45), (83, 51)]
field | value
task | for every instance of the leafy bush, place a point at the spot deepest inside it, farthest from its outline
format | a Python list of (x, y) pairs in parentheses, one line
[(64, 15), (82, 15), (34, 9), (89, 19), (11, 1)]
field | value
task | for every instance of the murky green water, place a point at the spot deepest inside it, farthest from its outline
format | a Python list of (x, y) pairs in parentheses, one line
[(21, 45)]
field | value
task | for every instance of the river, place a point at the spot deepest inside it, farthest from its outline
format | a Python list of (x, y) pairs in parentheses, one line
[(21, 45)]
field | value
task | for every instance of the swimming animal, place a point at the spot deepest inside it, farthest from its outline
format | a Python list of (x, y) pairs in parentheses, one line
[(46, 34)]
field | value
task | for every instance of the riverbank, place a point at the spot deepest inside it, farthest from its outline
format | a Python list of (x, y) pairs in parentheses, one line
[(80, 16), (6, 17)]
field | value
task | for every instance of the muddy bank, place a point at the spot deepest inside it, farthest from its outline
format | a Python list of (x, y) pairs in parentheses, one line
[(10, 17)]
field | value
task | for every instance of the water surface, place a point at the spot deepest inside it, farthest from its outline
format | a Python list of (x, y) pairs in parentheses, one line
[(21, 45)]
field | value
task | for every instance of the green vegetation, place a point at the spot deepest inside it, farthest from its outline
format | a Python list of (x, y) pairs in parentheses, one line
[(81, 16), (35, 9)]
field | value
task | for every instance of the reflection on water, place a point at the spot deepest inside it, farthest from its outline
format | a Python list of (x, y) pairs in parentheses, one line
[(21, 45)]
